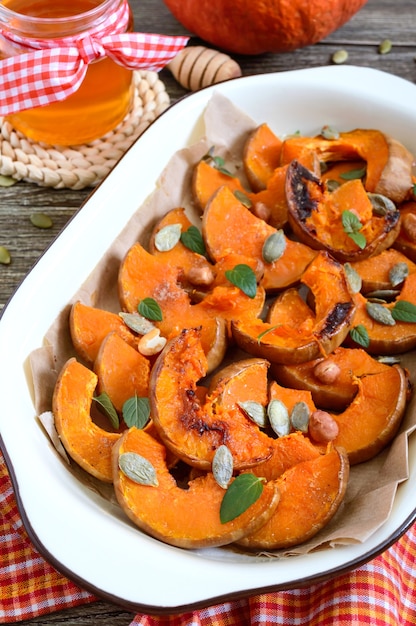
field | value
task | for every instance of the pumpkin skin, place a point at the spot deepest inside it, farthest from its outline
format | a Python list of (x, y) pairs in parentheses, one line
[(248, 27)]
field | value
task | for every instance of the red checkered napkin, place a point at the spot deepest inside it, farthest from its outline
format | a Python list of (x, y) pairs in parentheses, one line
[(381, 593)]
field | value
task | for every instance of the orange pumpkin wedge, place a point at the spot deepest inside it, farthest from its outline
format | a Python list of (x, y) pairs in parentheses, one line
[(311, 493), (375, 271), (261, 156), (293, 333), (89, 326), (187, 518), (122, 371), (229, 227), (316, 216), (143, 275), (86, 443), (194, 430), (332, 380), (207, 180)]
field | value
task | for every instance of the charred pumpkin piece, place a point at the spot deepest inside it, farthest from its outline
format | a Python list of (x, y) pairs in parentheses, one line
[(311, 493), (194, 269), (315, 216), (332, 381), (187, 518), (229, 227), (388, 162), (86, 443), (89, 326), (293, 333), (143, 275), (194, 430), (406, 240), (271, 201), (207, 180), (122, 371), (385, 338), (375, 271), (261, 156)]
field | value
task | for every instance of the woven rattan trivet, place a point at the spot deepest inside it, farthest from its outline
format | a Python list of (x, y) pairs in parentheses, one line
[(85, 165)]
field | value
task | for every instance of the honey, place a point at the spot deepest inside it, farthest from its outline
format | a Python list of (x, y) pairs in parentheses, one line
[(104, 96)]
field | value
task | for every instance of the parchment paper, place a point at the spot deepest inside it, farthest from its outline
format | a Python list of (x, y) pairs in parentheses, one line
[(372, 485)]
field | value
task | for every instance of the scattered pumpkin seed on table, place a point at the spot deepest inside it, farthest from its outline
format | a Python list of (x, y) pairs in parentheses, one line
[(41, 220), (5, 257), (340, 56)]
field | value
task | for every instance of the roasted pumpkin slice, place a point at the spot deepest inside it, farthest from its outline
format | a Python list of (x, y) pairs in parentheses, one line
[(293, 332), (389, 164), (261, 156), (406, 240), (332, 380), (383, 272), (322, 219), (288, 451), (229, 227), (311, 492), (193, 430), (195, 271), (86, 443), (187, 518), (89, 326), (271, 203), (387, 334), (207, 179), (122, 371), (370, 421), (143, 275)]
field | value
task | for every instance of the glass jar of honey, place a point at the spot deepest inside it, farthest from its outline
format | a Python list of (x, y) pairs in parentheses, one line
[(104, 95)]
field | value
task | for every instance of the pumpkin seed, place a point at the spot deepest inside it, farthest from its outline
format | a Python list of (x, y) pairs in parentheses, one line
[(255, 411), (383, 294), (5, 257), (274, 246), (137, 322), (222, 466), (331, 184), (340, 56), (380, 314), (167, 237), (299, 416), (243, 198), (138, 469), (381, 204), (328, 132), (353, 278), (41, 220), (7, 181), (385, 46), (398, 273), (278, 417), (388, 360)]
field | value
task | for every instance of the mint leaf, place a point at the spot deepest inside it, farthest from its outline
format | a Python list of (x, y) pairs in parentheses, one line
[(136, 412), (240, 495), (150, 309), (354, 174), (105, 403), (243, 277), (359, 334), (404, 311), (352, 226), (192, 239)]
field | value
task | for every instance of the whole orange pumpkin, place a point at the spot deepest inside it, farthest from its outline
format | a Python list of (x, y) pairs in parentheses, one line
[(257, 26)]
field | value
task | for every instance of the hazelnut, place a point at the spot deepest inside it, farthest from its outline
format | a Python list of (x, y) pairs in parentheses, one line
[(261, 210), (322, 427), (327, 371), (200, 275), (151, 343)]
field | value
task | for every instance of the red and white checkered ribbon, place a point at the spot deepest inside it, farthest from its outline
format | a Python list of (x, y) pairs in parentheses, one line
[(53, 69)]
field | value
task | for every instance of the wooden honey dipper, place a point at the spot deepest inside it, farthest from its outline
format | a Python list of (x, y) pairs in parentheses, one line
[(196, 67)]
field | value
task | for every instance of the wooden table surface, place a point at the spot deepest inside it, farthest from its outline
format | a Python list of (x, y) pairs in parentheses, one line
[(378, 20)]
